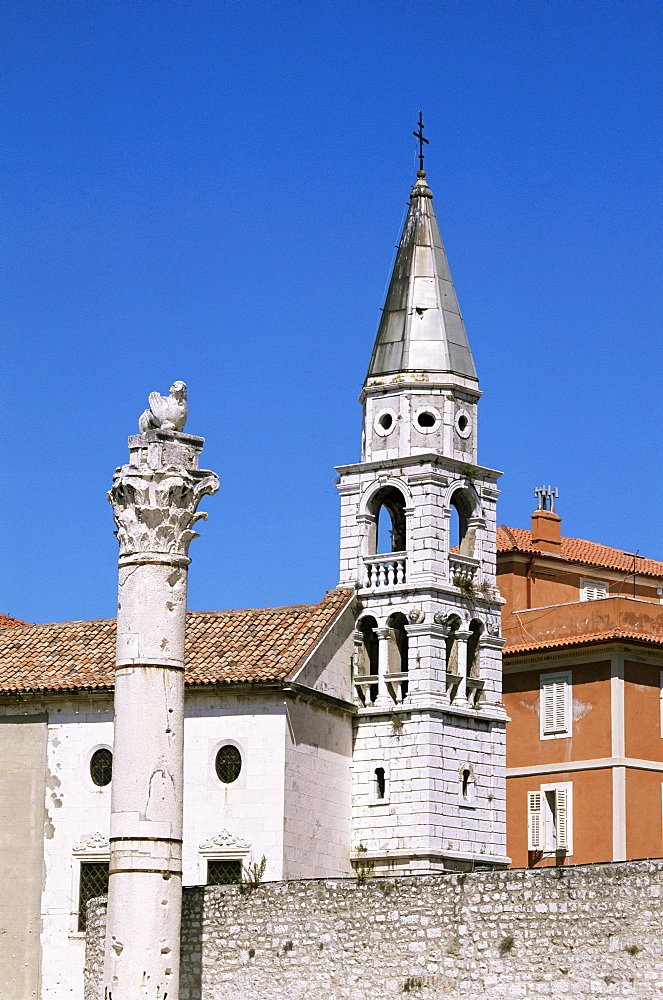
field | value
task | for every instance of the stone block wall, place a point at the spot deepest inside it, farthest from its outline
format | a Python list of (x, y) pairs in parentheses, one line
[(574, 933)]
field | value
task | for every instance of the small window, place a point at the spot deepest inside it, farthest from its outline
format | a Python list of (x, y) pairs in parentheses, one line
[(93, 883), (549, 819), (101, 767), (593, 590), (380, 783), (222, 871), (228, 764), (555, 705), (466, 791)]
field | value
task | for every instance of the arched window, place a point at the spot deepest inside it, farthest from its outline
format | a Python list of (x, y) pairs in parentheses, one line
[(467, 783), (370, 657), (398, 652), (462, 535), (452, 645), (388, 508), (473, 665), (398, 622)]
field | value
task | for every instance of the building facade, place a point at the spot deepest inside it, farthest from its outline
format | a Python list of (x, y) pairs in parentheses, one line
[(583, 688)]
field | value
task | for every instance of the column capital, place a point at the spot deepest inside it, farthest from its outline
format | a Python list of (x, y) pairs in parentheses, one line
[(155, 497)]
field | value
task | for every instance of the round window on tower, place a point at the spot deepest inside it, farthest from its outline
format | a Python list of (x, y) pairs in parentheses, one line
[(384, 422), (463, 423), (427, 419), (228, 764), (101, 767)]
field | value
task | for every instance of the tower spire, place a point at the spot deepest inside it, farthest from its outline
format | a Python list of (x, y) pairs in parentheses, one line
[(421, 328)]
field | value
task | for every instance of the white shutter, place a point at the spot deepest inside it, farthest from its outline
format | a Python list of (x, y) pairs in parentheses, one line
[(559, 698), (548, 709), (555, 704), (593, 590), (562, 818), (534, 821)]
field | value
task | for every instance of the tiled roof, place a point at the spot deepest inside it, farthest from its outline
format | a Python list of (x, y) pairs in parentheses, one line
[(7, 622), (578, 550), (251, 646), (611, 635)]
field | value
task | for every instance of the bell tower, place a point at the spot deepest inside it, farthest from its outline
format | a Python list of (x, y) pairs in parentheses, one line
[(418, 524)]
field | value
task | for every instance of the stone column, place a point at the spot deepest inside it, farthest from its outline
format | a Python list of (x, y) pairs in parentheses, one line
[(462, 635), (154, 500), (385, 638)]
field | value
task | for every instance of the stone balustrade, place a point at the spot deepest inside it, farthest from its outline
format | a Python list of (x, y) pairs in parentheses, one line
[(385, 571)]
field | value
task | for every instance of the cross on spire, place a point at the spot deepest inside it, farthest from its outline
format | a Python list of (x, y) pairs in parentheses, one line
[(420, 136)]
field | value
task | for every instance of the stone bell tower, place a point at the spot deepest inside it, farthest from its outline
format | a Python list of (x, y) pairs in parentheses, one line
[(154, 500), (418, 542)]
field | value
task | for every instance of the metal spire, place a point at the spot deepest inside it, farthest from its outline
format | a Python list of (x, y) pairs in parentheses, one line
[(420, 136)]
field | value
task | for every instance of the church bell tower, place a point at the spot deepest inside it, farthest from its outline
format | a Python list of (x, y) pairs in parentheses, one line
[(418, 523)]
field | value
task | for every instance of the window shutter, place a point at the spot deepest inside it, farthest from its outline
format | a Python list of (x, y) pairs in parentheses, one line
[(554, 707), (548, 708), (559, 698), (534, 821), (562, 819)]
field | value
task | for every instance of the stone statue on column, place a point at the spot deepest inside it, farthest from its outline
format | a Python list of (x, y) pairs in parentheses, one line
[(154, 499)]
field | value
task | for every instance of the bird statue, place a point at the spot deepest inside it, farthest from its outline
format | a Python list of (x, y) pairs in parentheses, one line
[(167, 412)]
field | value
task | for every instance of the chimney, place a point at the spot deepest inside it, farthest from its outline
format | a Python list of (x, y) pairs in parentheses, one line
[(546, 524)]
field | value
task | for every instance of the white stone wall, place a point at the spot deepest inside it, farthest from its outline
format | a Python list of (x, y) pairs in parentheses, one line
[(405, 437), (318, 792), (281, 741)]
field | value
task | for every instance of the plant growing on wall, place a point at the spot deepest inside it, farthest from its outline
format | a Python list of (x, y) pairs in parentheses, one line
[(253, 872), (363, 867), (465, 584)]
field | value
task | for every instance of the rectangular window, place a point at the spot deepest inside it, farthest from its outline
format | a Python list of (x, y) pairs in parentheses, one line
[(223, 871), (93, 882), (556, 705), (549, 819), (593, 590)]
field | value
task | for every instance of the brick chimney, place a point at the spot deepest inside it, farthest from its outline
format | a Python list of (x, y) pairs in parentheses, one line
[(546, 524)]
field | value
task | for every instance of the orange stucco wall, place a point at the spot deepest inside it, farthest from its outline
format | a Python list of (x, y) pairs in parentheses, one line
[(591, 711), (591, 816), (557, 582), (642, 711), (644, 810)]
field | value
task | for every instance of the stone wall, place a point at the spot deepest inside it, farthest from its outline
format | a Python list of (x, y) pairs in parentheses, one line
[(586, 931)]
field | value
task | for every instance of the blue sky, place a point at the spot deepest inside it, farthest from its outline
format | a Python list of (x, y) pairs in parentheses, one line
[(212, 191)]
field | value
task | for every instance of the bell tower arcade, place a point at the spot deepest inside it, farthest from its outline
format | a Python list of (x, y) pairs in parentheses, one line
[(418, 524)]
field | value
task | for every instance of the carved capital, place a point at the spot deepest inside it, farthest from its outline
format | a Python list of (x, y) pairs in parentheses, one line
[(155, 509)]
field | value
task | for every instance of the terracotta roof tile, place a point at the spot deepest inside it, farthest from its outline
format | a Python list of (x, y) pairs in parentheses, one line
[(578, 550), (222, 647), (580, 640), (7, 622)]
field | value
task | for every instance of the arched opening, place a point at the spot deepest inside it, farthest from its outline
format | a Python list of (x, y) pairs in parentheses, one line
[(461, 534), (473, 665), (388, 508), (370, 655), (467, 783), (399, 654), (451, 642)]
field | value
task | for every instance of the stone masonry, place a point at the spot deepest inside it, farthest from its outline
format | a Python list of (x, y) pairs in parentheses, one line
[(579, 932)]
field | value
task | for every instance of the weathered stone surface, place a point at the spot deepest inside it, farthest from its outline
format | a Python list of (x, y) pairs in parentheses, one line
[(589, 931)]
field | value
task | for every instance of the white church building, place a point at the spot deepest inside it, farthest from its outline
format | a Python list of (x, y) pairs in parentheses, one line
[(366, 731)]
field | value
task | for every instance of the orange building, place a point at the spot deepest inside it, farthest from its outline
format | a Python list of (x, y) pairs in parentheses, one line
[(583, 683)]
